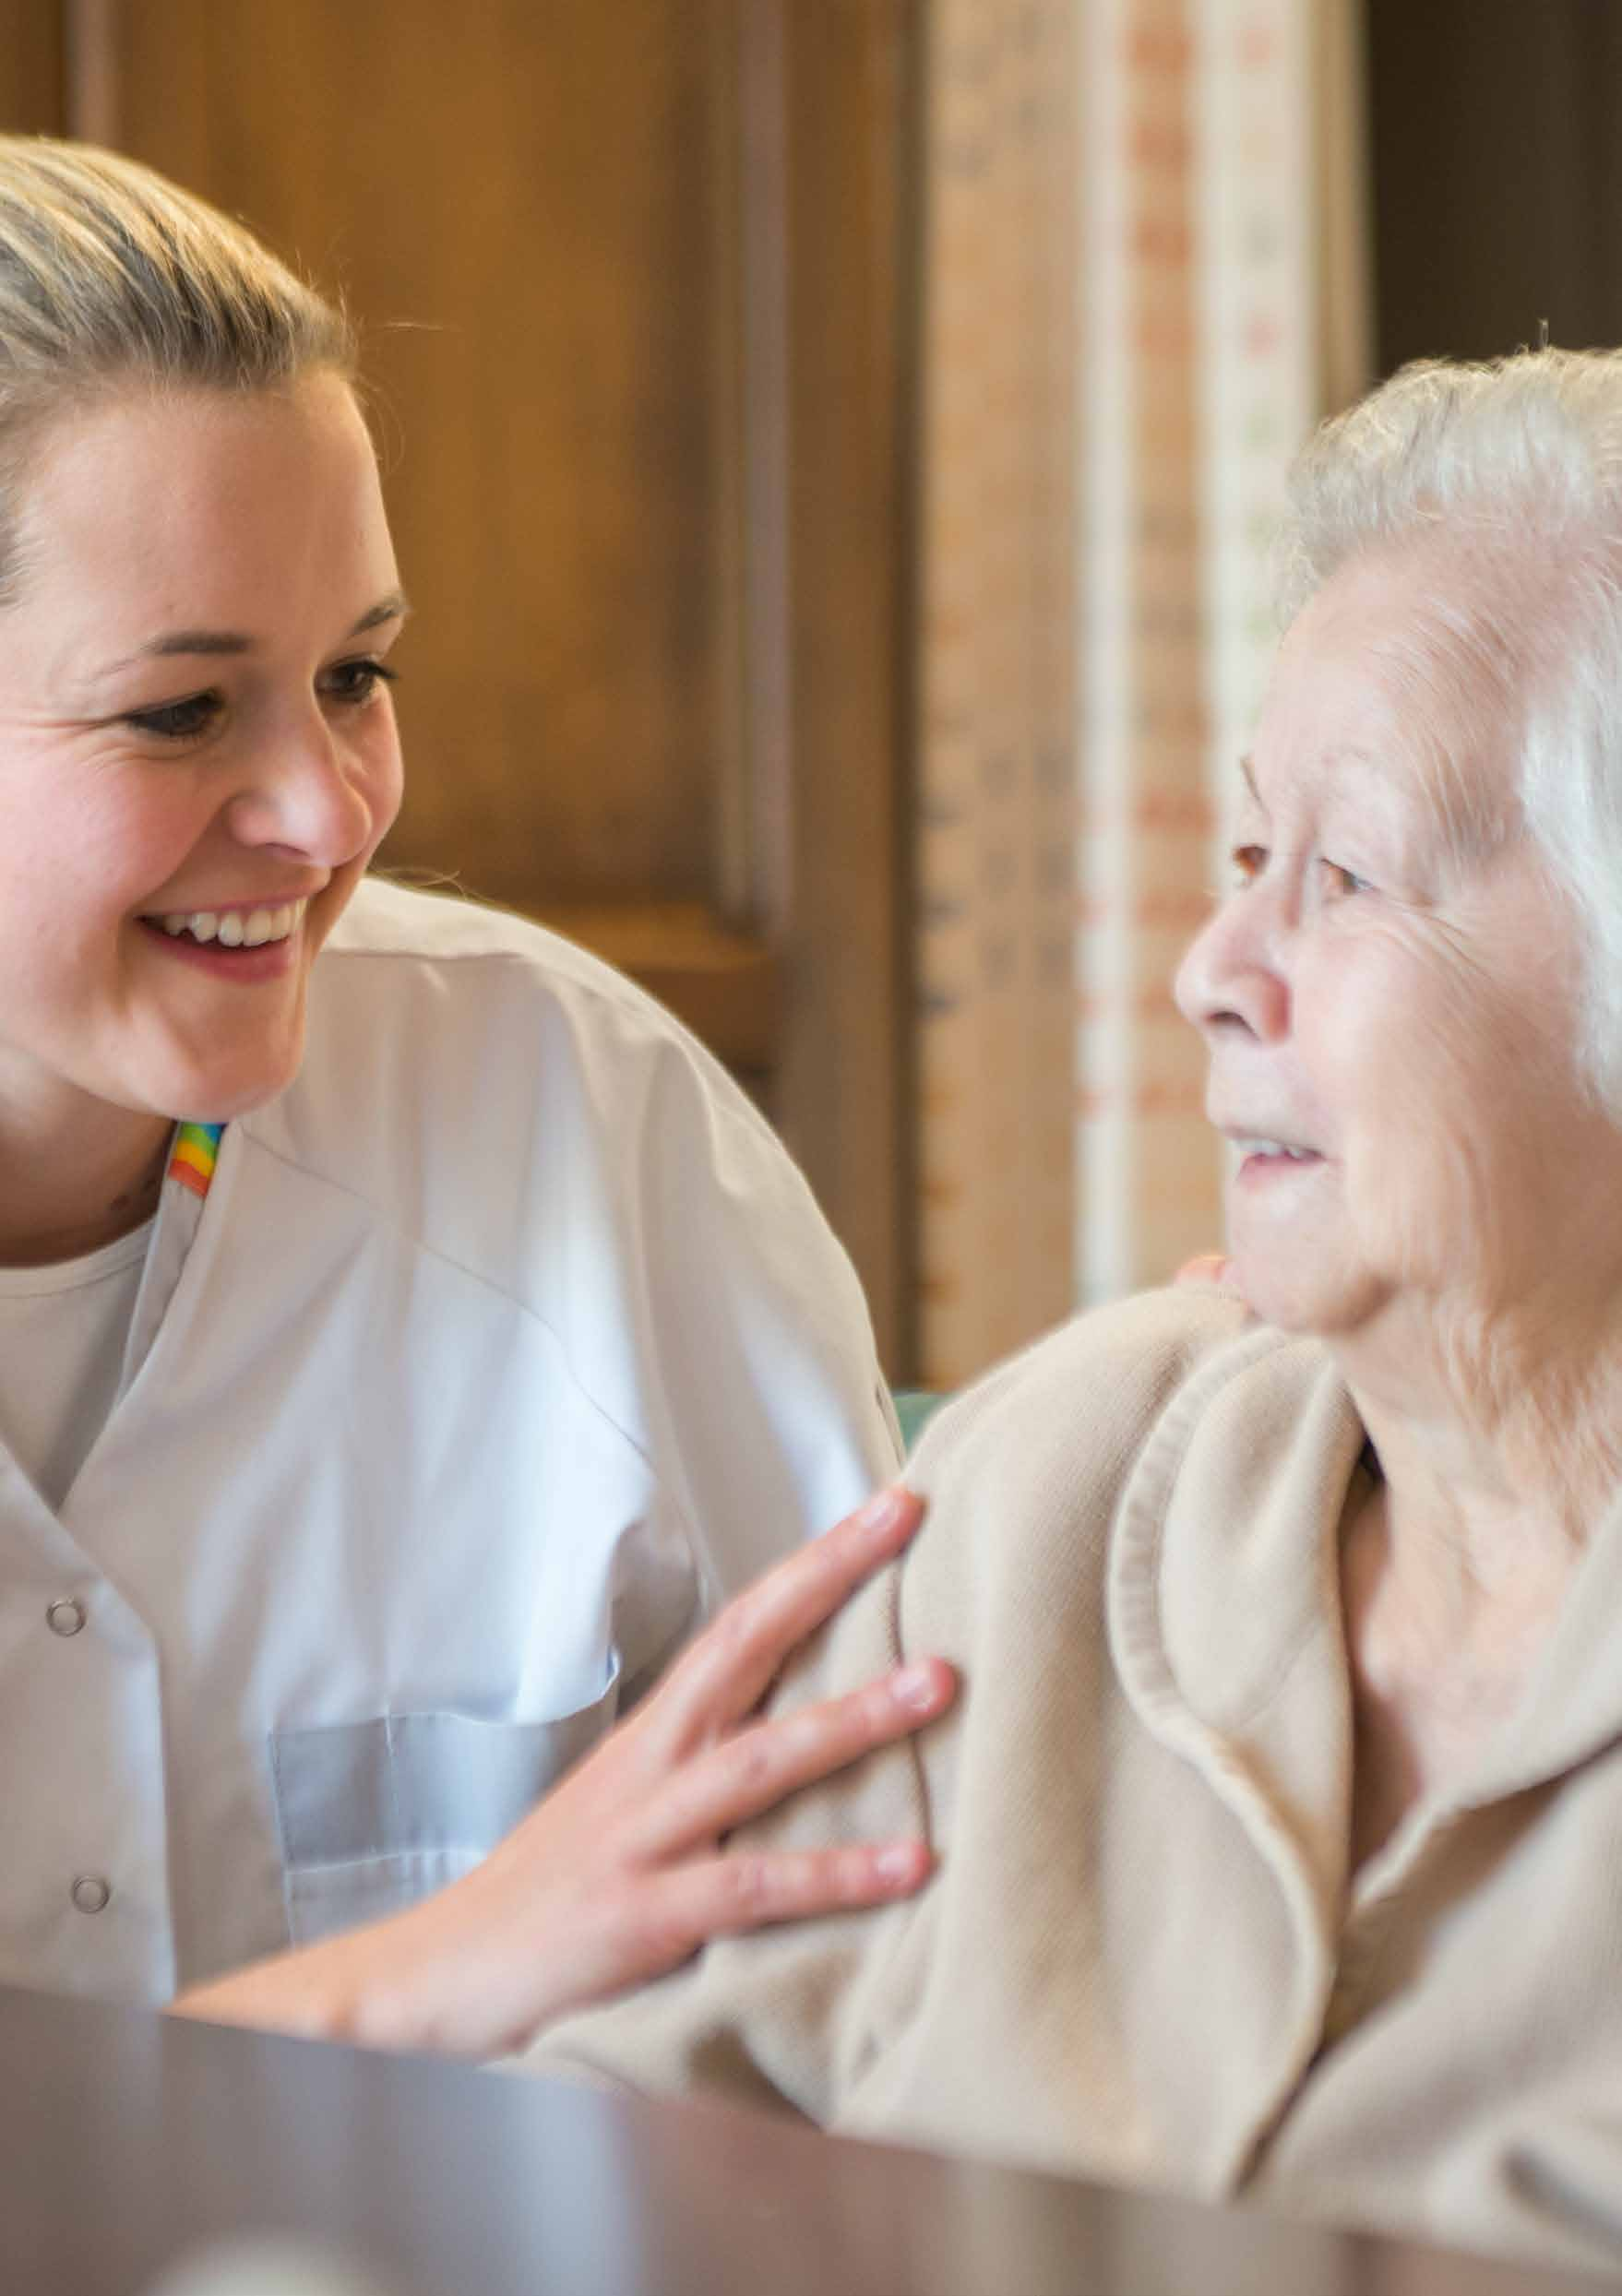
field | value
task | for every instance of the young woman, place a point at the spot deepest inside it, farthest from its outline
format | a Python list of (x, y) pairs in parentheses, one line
[(407, 1332)]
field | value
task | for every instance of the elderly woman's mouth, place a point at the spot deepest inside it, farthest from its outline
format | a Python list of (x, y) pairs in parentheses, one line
[(1268, 1155)]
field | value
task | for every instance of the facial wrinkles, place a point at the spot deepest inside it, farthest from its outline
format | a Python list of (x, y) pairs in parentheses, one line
[(1368, 823), (1429, 1025), (1460, 750), (1428, 1225), (1472, 1221), (91, 848), (1429, 696)]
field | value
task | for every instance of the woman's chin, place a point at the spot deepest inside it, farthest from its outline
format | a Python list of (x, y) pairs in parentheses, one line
[(1304, 1295), (213, 1091)]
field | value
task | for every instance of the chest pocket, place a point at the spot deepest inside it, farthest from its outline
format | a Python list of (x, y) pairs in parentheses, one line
[(375, 1815)]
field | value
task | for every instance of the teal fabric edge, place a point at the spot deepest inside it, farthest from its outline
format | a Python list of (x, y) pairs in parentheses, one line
[(914, 1408)]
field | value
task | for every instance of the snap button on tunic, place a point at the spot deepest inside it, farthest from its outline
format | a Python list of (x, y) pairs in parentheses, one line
[(64, 1617), (91, 1893)]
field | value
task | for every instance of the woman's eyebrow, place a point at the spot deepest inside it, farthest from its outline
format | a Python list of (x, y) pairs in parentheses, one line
[(393, 608), (1365, 765), (188, 642)]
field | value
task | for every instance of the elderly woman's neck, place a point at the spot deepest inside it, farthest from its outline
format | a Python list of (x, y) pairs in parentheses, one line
[(1504, 1433), (67, 1189), (1498, 1470)]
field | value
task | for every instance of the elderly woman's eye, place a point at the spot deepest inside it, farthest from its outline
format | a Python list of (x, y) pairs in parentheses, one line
[(358, 681), (178, 721), (1344, 880), (1250, 860)]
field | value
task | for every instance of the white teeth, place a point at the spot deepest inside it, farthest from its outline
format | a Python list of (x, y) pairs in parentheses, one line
[(1274, 1147), (234, 928)]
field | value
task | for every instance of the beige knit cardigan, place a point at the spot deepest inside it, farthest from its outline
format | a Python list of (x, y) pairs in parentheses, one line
[(1143, 1957)]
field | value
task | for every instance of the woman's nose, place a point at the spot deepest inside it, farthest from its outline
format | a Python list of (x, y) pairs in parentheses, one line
[(309, 793), (1232, 976)]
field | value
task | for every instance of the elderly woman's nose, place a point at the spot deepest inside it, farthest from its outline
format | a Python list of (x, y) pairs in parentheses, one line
[(1230, 976), (308, 794)]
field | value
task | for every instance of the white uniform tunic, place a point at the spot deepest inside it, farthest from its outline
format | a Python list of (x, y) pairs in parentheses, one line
[(509, 1340)]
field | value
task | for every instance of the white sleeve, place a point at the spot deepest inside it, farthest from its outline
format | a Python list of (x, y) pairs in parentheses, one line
[(777, 1420)]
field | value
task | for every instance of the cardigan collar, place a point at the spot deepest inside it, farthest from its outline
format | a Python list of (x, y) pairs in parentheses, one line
[(1224, 1596), (1225, 1613)]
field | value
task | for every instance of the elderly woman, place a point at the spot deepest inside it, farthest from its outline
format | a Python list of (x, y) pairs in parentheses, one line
[(1278, 1830), (369, 1439)]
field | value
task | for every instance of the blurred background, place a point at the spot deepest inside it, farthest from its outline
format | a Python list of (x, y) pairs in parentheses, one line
[(833, 445)]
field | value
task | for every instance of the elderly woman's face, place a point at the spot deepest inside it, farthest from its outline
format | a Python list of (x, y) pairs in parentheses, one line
[(197, 751), (1388, 993)]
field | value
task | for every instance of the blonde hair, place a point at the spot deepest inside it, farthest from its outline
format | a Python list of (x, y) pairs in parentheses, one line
[(112, 276)]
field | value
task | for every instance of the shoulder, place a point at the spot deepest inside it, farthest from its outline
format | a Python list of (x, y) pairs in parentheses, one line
[(1078, 1401), (397, 950), (1028, 1471), (489, 1093), (433, 1019)]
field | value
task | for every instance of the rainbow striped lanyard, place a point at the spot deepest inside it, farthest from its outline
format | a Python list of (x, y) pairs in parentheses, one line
[(193, 1155)]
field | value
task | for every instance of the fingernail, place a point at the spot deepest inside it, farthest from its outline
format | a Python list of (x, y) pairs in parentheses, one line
[(916, 1686), (883, 1508), (901, 1861)]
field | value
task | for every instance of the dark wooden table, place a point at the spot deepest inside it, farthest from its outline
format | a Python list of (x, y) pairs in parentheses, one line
[(134, 2147)]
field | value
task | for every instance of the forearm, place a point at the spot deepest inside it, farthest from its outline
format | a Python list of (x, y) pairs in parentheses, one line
[(398, 1985)]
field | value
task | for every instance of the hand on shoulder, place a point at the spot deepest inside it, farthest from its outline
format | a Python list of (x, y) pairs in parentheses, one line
[(622, 1872)]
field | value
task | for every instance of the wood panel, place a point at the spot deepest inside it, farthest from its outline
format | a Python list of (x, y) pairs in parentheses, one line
[(31, 67), (818, 286), (844, 1089), (726, 985), (514, 198)]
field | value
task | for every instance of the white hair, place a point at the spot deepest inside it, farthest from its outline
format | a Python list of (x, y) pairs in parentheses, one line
[(1517, 465)]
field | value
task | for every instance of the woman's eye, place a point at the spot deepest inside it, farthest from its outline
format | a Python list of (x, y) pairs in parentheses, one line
[(353, 683), (1250, 860), (1345, 880), (181, 721)]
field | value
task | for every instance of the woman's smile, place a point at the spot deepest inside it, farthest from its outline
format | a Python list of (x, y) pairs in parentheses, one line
[(244, 945), (239, 926)]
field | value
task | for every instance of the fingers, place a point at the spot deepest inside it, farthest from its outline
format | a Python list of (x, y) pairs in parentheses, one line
[(734, 1662), (1208, 1267), (756, 1769), (737, 1891)]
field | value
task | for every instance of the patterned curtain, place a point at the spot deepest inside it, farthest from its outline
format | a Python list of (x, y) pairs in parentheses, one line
[(1144, 281), (997, 680)]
